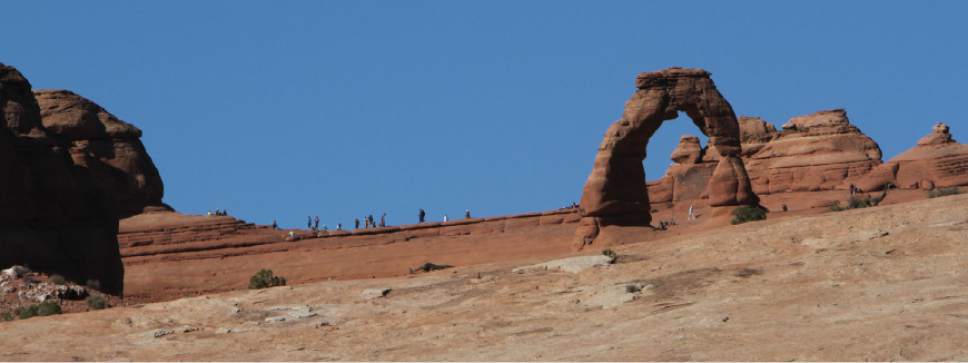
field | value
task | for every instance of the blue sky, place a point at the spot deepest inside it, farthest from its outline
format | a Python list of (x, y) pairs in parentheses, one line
[(278, 110)]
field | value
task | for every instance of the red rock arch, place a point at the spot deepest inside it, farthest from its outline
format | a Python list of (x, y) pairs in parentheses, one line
[(615, 193)]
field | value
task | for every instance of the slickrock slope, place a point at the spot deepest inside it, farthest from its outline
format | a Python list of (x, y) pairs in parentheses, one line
[(883, 283), (53, 217), (108, 147), (813, 152), (937, 161)]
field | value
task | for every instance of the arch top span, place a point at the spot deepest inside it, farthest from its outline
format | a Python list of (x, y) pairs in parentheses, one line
[(615, 192)]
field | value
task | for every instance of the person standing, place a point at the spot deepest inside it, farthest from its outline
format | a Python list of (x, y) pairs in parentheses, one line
[(692, 215), (445, 218), (467, 214), (356, 223), (383, 220), (309, 222), (316, 222), (422, 215)]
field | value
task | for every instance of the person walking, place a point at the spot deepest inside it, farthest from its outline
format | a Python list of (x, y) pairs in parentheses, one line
[(339, 226), (316, 222), (422, 215)]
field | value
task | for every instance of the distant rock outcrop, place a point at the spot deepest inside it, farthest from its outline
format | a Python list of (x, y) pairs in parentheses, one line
[(937, 161), (108, 147), (53, 215), (813, 152)]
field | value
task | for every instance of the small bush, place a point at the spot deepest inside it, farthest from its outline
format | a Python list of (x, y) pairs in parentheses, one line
[(940, 192), (264, 278), (42, 309), (96, 302), (748, 213), (836, 207), (6, 316), (430, 266), (57, 279), (855, 202)]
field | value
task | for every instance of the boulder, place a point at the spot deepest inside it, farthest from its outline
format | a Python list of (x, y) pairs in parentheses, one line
[(815, 152), (53, 217), (108, 147)]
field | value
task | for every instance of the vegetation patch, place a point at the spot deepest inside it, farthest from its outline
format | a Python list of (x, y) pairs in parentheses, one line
[(96, 302), (429, 266), (43, 309), (941, 192), (748, 213), (264, 278), (857, 201)]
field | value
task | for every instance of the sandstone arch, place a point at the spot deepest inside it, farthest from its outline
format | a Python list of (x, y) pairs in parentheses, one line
[(615, 192)]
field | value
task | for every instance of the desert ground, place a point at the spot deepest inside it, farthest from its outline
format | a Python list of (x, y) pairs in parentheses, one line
[(881, 283)]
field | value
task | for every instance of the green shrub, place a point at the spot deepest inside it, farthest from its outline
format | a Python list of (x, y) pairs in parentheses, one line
[(836, 207), (748, 213), (57, 279), (96, 302), (264, 278), (940, 192), (855, 202), (42, 309), (6, 316)]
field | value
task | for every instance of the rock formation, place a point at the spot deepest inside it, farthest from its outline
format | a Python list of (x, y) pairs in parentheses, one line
[(108, 147), (53, 217), (755, 133), (937, 161), (814, 152), (615, 192)]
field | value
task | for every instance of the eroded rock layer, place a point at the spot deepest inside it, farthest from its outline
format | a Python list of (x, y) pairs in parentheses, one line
[(813, 152), (53, 215), (938, 161), (108, 147)]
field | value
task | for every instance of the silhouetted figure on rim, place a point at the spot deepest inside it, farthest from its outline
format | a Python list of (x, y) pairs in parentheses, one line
[(422, 215)]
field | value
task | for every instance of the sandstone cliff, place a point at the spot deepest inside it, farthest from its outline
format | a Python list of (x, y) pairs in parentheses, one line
[(53, 215), (108, 147)]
